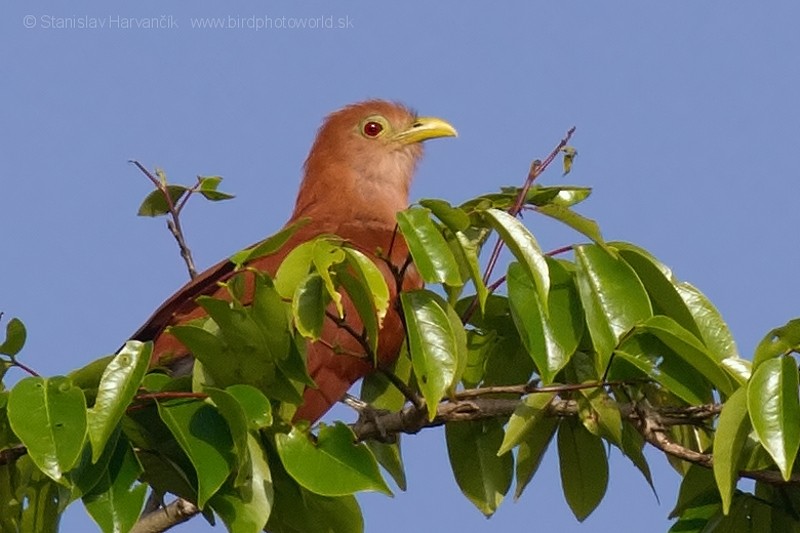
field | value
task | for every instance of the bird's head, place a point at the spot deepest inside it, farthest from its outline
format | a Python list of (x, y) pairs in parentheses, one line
[(365, 154)]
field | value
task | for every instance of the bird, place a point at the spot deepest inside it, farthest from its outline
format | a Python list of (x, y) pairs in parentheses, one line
[(355, 179)]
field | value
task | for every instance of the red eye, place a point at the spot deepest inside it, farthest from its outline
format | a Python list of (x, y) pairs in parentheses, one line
[(373, 129)]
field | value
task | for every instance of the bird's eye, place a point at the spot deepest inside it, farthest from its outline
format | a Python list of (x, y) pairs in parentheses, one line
[(372, 128)]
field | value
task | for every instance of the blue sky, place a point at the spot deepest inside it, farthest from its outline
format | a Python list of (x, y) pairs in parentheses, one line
[(688, 126)]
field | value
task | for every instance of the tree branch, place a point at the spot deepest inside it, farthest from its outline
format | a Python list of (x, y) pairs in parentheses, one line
[(163, 519)]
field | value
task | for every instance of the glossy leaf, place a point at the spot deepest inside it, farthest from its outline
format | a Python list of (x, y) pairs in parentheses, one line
[(453, 217), (372, 278), (326, 255), (308, 306), (779, 341), (294, 268), (117, 387), (690, 349), (380, 393), (334, 466), (297, 510), (155, 204), (233, 413), (729, 440), (466, 250), (531, 451), (660, 284), (632, 446), (697, 489), (482, 475), (525, 420), (584, 468), (646, 354), (245, 508), (49, 417), (579, 223), (15, 338), (549, 339), (432, 343), (390, 458), (713, 330), (209, 189), (525, 249), (362, 300), (256, 406), (600, 414), (114, 502), (205, 437), (774, 407), (270, 245), (613, 298), (432, 256)]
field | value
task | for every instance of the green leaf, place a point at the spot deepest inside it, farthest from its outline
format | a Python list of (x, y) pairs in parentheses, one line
[(155, 204), (600, 414), (613, 297), (729, 440), (308, 306), (372, 278), (525, 249), (380, 393), (114, 503), (205, 437), (43, 499), (779, 341), (208, 188), (632, 445), (335, 466), (660, 284), (15, 338), (584, 468), (233, 413), (117, 387), (389, 457), (453, 217), (690, 349), (714, 332), (247, 507), (527, 418), (482, 475), (656, 361), (579, 223), (362, 300), (531, 451), (256, 406), (774, 408), (697, 489), (432, 256), (326, 255), (432, 343), (49, 417), (297, 510), (549, 339), (294, 268), (269, 245), (466, 251)]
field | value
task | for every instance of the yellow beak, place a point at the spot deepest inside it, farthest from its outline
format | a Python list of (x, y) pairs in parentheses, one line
[(425, 128)]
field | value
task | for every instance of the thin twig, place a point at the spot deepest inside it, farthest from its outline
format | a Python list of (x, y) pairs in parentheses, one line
[(174, 225)]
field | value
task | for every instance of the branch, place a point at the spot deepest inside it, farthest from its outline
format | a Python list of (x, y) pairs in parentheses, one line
[(163, 519), (651, 422), (173, 225)]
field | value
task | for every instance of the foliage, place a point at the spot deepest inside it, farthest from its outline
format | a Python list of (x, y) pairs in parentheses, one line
[(601, 348)]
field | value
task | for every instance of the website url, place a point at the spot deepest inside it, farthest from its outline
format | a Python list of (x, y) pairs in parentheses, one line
[(265, 22)]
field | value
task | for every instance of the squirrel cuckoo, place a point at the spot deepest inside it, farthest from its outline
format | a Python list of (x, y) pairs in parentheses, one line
[(356, 179)]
